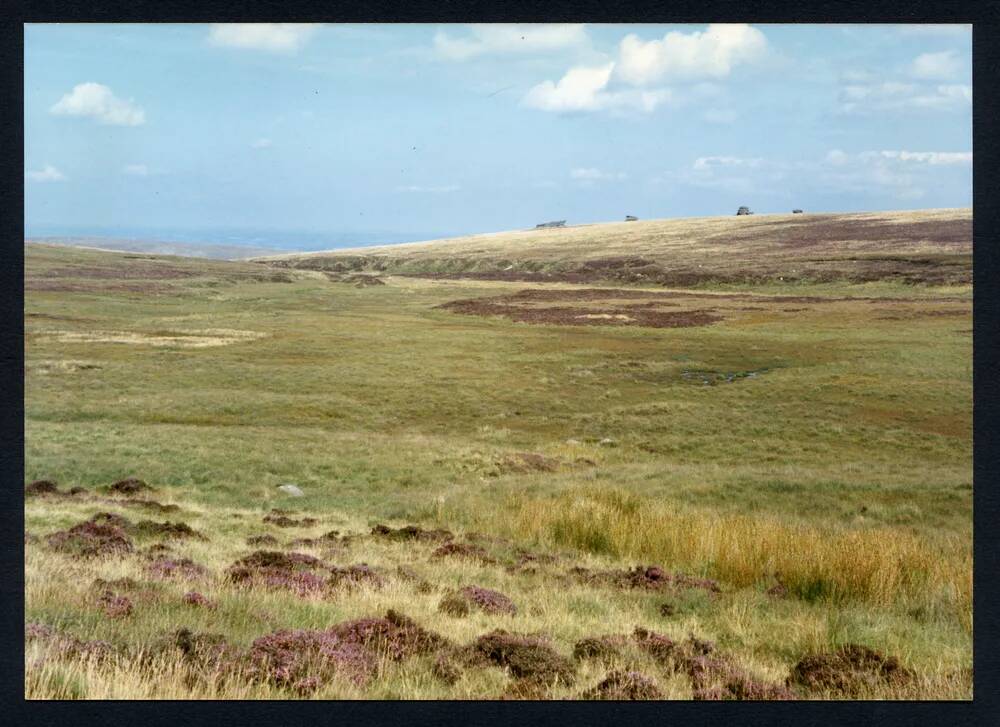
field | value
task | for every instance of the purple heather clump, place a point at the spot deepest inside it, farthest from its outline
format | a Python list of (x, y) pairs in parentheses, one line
[(91, 539), (166, 567)]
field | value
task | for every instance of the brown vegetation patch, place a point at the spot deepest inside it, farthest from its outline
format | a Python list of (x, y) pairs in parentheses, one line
[(599, 647), (651, 577), (129, 486), (304, 660), (355, 575), (166, 567), (460, 602), (41, 488), (167, 530), (463, 550), (624, 686), (527, 656), (283, 521), (204, 651), (193, 598), (91, 539), (411, 532), (851, 670), (327, 539), (65, 645), (262, 540), (713, 675), (297, 572), (115, 606), (528, 562), (526, 463), (152, 505), (573, 316)]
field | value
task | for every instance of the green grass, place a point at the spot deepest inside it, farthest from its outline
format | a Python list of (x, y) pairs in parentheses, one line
[(382, 407)]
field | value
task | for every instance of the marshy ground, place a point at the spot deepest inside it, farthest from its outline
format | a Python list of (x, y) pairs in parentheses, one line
[(738, 487)]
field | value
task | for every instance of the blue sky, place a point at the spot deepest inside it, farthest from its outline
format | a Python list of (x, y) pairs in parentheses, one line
[(404, 131)]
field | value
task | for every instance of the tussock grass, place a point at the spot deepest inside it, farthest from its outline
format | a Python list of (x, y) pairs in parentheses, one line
[(881, 566)]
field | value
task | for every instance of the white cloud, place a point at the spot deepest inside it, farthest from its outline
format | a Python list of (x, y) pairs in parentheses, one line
[(419, 188), (98, 102), (136, 170), (261, 144), (904, 174), (592, 174), (586, 89), (271, 37), (47, 174), (500, 38), (712, 53), (714, 162), (936, 66), (897, 96), (920, 157), (632, 81)]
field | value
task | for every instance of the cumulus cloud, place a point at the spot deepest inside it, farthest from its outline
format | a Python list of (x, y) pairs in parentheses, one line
[(136, 170), (936, 66), (261, 144), (420, 188), (712, 53), (48, 173), (499, 38), (270, 37), (97, 101), (633, 80), (586, 89)]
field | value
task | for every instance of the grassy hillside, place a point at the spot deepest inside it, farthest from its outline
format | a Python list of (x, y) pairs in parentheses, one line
[(931, 246), (795, 457)]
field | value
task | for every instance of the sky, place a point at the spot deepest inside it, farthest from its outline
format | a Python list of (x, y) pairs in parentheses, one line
[(292, 135)]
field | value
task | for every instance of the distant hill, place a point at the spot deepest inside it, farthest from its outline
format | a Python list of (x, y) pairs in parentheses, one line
[(159, 247), (925, 246)]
